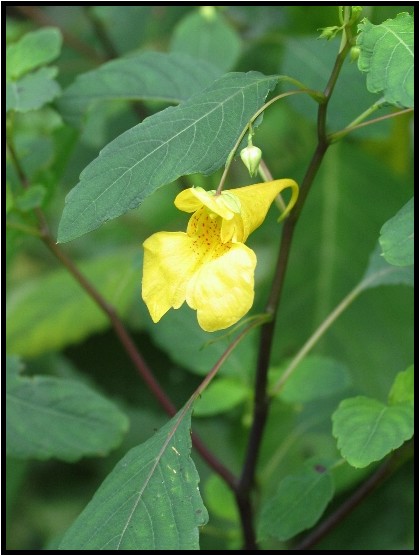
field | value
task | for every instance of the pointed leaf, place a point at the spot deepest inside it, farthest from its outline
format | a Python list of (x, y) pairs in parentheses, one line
[(196, 136), (387, 55), (31, 51), (299, 502), (148, 76), (381, 273), (367, 430), (150, 501), (52, 417), (397, 237)]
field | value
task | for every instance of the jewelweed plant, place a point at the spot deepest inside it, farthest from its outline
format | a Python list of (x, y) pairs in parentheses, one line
[(240, 377)]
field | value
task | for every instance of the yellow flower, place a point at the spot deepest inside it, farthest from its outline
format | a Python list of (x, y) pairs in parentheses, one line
[(209, 266)]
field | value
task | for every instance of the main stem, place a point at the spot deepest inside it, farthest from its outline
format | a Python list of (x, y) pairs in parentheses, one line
[(261, 401)]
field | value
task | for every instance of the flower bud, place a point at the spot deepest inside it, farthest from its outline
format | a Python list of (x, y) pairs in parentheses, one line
[(356, 12), (329, 32), (251, 157), (354, 53)]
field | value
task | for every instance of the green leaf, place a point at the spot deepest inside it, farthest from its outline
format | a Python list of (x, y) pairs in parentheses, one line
[(147, 76), (53, 311), (179, 335), (380, 273), (137, 26), (207, 36), (220, 499), (315, 377), (387, 55), (378, 330), (367, 430), (32, 91), (52, 417), (31, 51), (397, 237), (310, 61), (402, 390), (150, 501), (195, 136), (220, 396), (31, 198), (299, 502)]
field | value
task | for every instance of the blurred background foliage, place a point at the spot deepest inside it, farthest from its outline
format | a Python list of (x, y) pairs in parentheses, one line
[(57, 330)]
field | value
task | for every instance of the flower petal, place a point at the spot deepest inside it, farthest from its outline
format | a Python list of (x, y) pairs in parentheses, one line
[(255, 202), (194, 198), (169, 263), (222, 290), (188, 200)]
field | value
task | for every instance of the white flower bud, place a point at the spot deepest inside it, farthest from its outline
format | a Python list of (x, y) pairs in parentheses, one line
[(251, 157)]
